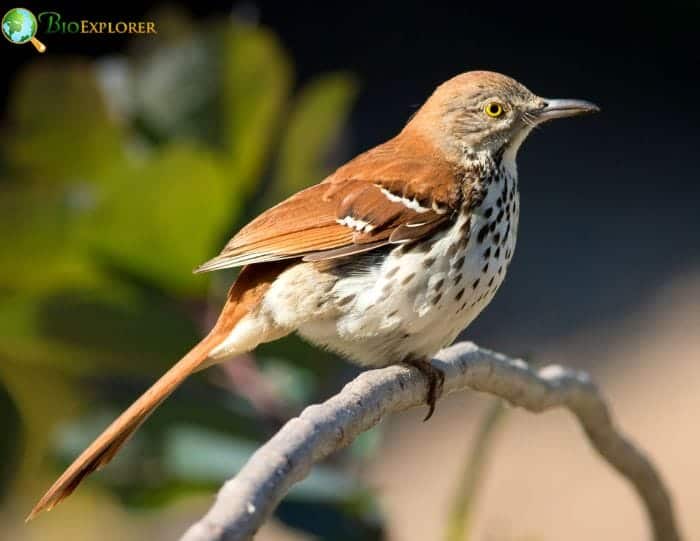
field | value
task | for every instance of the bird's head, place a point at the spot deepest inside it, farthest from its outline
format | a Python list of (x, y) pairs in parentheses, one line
[(483, 111)]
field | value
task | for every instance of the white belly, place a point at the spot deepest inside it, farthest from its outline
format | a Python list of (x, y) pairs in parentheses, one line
[(421, 296)]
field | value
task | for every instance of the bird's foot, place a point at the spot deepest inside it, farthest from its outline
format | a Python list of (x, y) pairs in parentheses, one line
[(436, 380)]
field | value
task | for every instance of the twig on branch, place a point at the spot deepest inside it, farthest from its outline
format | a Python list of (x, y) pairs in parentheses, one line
[(247, 500)]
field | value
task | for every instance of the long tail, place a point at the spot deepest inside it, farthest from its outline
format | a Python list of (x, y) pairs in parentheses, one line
[(103, 449), (243, 297)]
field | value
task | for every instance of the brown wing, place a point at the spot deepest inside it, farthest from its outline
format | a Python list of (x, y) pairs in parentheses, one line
[(397, 192)]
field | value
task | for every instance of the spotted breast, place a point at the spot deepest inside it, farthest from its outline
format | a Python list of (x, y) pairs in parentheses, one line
[(406, 302)]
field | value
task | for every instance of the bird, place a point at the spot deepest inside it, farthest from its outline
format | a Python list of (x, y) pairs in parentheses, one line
[(385, 261)]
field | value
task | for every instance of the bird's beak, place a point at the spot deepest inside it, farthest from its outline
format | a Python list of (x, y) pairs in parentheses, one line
[(563, 108)]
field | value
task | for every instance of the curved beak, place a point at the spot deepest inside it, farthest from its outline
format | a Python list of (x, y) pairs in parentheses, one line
[(564, 108)]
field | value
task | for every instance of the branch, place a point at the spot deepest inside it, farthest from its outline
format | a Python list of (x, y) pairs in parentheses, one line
[(247, 500)]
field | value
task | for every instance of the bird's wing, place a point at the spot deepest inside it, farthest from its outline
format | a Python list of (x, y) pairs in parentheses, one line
[(397, 192)]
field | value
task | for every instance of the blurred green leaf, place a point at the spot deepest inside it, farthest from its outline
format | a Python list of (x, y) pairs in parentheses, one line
[(11, 442), (43, 398), (163, 217), (59, 125), (125, 331), (87, 331), (38, 225), (320, 111), (22, 339), (257, 77)]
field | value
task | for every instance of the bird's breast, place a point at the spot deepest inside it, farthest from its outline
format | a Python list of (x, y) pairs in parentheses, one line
[(416, 298)]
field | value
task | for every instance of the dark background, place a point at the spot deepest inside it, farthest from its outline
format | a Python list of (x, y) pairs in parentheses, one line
[(609, 202)]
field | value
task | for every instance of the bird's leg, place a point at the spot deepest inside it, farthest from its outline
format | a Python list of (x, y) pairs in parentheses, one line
[(435, 378)]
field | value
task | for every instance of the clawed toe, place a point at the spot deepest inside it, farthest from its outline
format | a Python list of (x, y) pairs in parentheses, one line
[(435, 379)]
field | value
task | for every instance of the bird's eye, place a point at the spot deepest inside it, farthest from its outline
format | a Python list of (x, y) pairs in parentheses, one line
[(493, 109)]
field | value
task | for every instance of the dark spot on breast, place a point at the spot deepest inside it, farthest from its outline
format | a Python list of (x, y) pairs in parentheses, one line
[(500, 269), (487, 253), (392, 314), (482, 233), (497, 238), (500, 216), (492, 227), (485, 269), (439, 284), (459, 294), (499, 202), (476, 283), (392, 272), (491, 281), (452, 250), (497, 254), (384, 296), (408, 278), (459, 263), (458, 279), (428, 262), (346, 299), (437, 298), (488, 212)]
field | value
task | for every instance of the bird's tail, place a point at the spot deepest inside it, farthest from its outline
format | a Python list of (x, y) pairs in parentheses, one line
[(103, 449), (244, 295)]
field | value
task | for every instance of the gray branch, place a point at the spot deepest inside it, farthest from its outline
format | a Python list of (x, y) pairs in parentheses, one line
[(247, 500)]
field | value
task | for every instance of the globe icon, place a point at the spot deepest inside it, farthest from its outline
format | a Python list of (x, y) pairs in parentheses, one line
[(19, 26)]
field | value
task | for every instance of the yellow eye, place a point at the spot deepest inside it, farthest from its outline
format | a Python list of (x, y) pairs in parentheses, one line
[(494, 109)]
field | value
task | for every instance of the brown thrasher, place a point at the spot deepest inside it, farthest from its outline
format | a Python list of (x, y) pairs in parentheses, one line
[(385, 261)]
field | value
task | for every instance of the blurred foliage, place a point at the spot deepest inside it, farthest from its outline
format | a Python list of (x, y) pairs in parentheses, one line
[(119, 176), (11, 442), (459, 521)]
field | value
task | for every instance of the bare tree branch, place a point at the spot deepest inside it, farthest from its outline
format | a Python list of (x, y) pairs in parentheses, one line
[(247, 500)]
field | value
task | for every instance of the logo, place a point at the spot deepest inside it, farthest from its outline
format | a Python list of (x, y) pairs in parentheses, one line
[(55, 24), (19, 26)]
